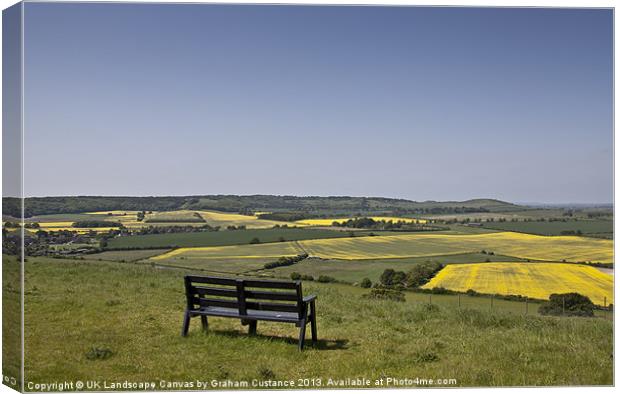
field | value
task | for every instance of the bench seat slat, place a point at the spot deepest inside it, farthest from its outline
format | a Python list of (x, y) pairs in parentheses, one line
[(251, 315), (260, 306)]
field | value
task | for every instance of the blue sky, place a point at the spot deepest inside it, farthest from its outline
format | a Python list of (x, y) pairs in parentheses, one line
[(417, 103)]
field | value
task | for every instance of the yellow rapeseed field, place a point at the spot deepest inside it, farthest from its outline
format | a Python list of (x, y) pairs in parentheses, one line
[(212, 218), (234, 219), (129, 219), (536, 280), (59, 226), (329, 221), (527, 246)]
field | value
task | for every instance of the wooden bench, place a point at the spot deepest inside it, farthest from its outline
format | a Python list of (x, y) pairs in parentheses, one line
[(249, 300)]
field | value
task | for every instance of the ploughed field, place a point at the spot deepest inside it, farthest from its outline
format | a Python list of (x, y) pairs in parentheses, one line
[(118, 321)]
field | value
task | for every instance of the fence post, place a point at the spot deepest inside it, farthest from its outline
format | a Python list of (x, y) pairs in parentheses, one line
[(430, 298), (459, 301), (525, 306), (563, 305)]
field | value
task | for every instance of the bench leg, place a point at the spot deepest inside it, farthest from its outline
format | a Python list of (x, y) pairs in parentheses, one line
[(302, 334), (313, 322), (252, 328), (205, 322), (185, 324)]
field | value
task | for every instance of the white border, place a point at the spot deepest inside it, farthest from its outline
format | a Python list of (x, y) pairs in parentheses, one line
[(480, 3)]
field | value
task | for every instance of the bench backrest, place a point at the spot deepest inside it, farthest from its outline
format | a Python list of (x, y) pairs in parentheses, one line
[(244, 294)]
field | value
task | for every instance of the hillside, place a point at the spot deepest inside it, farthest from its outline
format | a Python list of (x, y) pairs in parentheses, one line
[(359, 337), (232, 203)]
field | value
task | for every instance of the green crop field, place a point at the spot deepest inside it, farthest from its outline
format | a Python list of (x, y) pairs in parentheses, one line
[(355, 270), (221, 238), (218, 265), (126, 255), (556, 228), (227, 259), (133, 314)]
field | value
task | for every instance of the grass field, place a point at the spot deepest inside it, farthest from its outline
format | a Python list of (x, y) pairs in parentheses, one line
[(11, 321), (525, 246), (135, 312), (222, 238), (126, 255), (521, 214), (556, 228), (227, 259), (536, 280)]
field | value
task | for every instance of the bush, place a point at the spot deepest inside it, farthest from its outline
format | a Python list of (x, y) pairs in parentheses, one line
[(567, 304), (326, 279), (254, 241), (284, 261), (380, 293), (366, 283), (295, 275), (420, 274), (307, 277), (390, 278)]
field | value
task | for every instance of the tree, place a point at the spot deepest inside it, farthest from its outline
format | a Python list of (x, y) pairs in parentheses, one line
[(387, 277), (568, 304), (421, 273)]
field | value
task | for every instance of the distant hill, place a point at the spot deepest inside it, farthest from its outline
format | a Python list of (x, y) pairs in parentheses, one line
[(245, 204)]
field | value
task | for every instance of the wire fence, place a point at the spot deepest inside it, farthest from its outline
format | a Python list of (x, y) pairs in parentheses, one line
[(524, 305)]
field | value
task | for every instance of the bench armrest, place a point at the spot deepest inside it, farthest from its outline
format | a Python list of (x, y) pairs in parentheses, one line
[(310, 298)]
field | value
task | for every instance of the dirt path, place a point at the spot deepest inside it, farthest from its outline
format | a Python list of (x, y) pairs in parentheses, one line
[(609, 271)]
